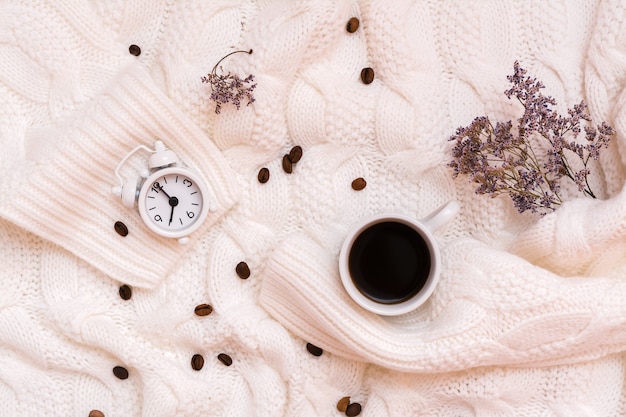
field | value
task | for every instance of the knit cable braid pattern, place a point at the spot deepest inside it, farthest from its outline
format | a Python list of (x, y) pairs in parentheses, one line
[(100, 316)]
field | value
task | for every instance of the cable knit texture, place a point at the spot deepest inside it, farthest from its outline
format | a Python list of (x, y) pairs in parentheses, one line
[(528, 318)]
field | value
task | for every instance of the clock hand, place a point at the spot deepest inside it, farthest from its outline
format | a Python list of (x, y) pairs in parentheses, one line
[(171, 213), (173, 201), (160, 187)]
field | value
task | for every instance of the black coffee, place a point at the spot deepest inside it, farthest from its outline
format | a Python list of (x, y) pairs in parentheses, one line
[(389, 262)]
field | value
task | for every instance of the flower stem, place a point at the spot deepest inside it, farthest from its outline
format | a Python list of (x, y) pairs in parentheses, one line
[(213, 71)]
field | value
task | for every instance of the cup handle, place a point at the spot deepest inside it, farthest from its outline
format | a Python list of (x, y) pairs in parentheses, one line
[(441, 216)]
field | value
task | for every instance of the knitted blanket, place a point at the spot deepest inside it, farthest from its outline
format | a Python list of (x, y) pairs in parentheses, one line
[(100, 316)]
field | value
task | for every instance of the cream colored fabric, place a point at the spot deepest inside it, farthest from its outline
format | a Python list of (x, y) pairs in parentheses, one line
[(528, 318)]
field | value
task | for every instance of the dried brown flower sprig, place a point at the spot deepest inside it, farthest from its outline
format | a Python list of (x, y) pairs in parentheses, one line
[(502, 161), (229, 88)]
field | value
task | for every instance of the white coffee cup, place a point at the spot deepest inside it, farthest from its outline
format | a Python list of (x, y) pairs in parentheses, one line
[(390, 263)]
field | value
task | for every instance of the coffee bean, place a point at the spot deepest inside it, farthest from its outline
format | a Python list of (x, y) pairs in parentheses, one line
[(367, 75), (125, 292), (225, 359), (353, 25), (264, 175), (342, 404), (203, 309), (358, 184), (120, 372), (96, 413), (314, 350), (353, 410), (197, 362), (295, 154), (243, 270), (287, 165), (134, 50), (121, 229)]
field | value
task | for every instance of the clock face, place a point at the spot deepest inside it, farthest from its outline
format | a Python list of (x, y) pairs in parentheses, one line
[(172, 203)]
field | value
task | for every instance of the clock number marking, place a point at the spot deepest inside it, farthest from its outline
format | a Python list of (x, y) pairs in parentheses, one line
[(163, 192)]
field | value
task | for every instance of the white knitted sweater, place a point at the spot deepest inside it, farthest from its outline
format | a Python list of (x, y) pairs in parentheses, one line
[(528, 319)]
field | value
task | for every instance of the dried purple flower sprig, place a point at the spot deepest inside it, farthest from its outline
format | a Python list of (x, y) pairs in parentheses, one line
[(501, 161), (229, 88)]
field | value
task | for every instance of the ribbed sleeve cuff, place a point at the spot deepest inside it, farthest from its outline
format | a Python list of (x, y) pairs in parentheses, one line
[(64, 193), (545, 320)]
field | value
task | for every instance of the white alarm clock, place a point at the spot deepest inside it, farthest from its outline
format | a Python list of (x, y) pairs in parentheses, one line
[(173, 200)]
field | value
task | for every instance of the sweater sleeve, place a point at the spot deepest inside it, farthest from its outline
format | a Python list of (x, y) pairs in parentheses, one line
[(61, 191)]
